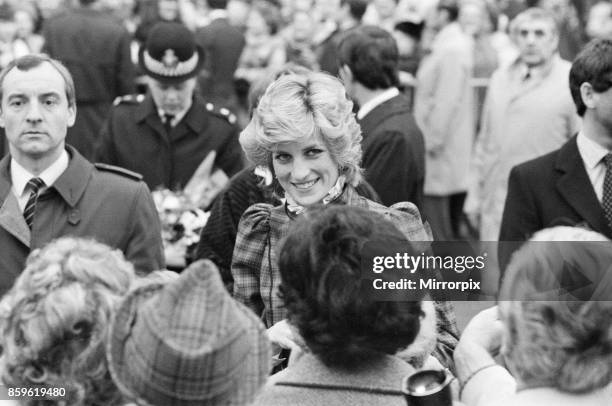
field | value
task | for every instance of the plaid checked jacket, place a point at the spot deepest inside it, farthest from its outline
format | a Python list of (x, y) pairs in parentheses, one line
[(255, 267)]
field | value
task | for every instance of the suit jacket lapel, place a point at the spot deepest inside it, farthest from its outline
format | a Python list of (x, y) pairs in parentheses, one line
[(575, 186), (11, 216)]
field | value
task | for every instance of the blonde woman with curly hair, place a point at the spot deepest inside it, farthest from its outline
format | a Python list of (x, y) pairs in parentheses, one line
[(305, 133), (54, 321)]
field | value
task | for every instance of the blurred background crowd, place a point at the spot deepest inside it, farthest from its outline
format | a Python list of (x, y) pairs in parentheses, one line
[(277, 31)]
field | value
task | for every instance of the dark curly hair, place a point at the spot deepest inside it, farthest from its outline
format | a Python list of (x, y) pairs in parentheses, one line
[(320, 264)]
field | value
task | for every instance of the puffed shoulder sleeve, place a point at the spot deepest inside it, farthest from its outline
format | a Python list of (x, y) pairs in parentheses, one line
[(252, 245), (406, 217)]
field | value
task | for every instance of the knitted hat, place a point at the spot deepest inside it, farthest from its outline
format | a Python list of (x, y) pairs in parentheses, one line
[(187, 342), (170, 53)]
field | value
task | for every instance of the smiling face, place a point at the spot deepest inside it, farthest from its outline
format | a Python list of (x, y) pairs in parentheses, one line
[(305, 169), (35, 112)]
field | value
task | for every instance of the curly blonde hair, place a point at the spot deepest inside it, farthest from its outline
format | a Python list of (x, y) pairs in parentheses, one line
[(300, 106), (54, 320), (553, 340)]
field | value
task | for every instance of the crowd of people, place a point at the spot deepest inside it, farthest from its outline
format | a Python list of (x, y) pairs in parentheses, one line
[(312, 129)]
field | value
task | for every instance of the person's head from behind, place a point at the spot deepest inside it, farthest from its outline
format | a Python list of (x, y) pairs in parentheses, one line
[(590, 81), (320, 267), (535, 33), (185, 341), (368, 57), (54, 320), (305, 132), (38, 104), (171, 59), (555, 303)]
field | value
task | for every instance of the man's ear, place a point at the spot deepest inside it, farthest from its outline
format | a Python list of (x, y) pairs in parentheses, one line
[(72, 111), (345, 73), (588, 95)]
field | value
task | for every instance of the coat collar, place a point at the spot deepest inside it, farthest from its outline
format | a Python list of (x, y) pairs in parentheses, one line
[(11, 217), (70, 186), (575, 186), (384, 374), (72, 183), (195, 120), (393, 106)]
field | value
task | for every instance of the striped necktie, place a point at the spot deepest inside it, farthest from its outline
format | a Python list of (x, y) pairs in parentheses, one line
[(606, 199), (34, 186)]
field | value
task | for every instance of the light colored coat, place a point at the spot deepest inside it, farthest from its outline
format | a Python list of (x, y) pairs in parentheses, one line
[(521, 121), (444, 110)]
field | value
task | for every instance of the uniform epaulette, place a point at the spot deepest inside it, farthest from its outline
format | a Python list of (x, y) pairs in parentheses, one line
[(129, 99), (118, 170), (221, 112)]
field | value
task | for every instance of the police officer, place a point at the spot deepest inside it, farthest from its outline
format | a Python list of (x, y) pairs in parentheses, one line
[(48, 189), (166, 134)]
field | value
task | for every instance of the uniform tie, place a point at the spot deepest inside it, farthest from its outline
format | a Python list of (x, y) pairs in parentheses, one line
[(606, 200), (34, 186), (168, 123)]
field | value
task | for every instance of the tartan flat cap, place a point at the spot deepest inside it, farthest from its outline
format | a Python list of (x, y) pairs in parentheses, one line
[(187, 342)]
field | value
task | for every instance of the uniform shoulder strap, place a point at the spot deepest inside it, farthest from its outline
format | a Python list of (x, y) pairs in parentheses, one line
[(119, 171)]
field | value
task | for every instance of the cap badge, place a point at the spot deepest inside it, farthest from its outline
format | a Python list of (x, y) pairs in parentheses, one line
[(170, 60)]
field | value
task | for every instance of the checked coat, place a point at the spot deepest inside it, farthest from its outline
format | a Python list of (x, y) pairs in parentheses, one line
[(255, 269)]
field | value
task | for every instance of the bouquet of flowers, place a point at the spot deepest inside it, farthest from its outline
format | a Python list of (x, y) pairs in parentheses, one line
[(182, 212)]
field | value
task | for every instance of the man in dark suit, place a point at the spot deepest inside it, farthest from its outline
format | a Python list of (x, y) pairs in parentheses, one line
[(393, 146), (166, 135), (222, 44), (96, 50), (47, 188), (572, 185)]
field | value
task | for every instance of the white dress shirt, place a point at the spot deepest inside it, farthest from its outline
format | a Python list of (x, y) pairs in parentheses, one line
[(20, 177), (376, 101), (592, 156)]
